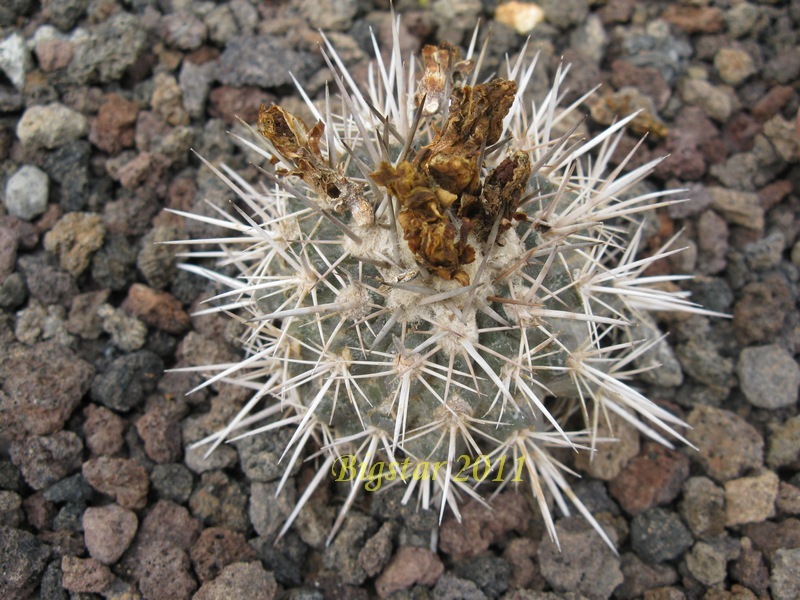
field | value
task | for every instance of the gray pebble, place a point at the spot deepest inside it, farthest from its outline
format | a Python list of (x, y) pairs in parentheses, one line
[(15, 59), (706, 564), (127, 380), (108, 50), (24, 559), (449, 586), (172, 481), (26, 193), (784, 579), (769, 376), (264, 62), (658, 535)]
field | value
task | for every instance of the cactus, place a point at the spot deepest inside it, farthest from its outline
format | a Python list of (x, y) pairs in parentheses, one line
[(439, 273)]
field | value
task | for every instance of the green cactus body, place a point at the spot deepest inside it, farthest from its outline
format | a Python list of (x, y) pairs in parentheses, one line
[(370, 342)]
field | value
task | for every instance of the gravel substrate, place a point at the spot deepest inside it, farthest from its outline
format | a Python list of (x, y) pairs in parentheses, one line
[(100, 103)]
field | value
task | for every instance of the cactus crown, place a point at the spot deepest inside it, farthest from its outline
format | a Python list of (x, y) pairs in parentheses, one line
[(439, 268)]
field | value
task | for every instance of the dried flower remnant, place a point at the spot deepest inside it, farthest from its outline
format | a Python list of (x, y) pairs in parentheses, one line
[(443, 69)]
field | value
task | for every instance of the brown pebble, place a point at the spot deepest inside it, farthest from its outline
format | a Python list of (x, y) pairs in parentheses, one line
[(240, 580), (114, 127), (157, 309), (108, 531), (123, 479), (216, 548), (410, 565), (85, 575), (103, 430)]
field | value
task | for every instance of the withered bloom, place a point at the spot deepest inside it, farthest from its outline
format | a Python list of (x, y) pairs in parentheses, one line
[(296, 143), (443, 69), (426, 220)]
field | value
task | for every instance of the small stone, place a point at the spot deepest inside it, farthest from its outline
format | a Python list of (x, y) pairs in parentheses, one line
[(583, 564), (728, 446), (768, 376), (215, 549), (27, 192), (123, 479), (195, 82), (109, 50), (11, 513), (694, 19), (268, 510), (769, 536), (641, 577), (718, 104), (521, 16), (654, 478), (161, 435), (164, 572), (9, 242), (222, 25), (658, 535), (219, 501), (233, 103), (43, 460), (23, 558), (788, 501), (83, 318), (449, 586), (783, 135), (156, 260), (760, 312), (157, 309), (260, 455), (750, 499), (74, 238), (784, 579), (85, 575), (734, 65), (612, 107), (375, 554), (73, 489), (765, 254), (480, 527), (409, 566), (742, 18), (108, 531), (51, 125), (772, 102), (712, 243), (341, 556), (706, 564), (264, 62), (703, 507), (167, 102), (738, 208), (15, 59), (69, 166), (113, 129), (170, 523), (490, 573), (239, 580), (103, 430), (127, 333), (172, 482), (64, 14), (784, 445), (749, 569), (54, 54), (43, 385), (183, 30), (127, 380)]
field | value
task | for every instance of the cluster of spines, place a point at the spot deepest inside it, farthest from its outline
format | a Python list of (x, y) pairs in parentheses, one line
[(310, 278)]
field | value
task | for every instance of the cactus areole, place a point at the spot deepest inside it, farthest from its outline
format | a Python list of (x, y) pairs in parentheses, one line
[(439, 269)]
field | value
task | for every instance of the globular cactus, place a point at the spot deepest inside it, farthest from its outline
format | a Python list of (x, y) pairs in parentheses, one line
[(439, 273)]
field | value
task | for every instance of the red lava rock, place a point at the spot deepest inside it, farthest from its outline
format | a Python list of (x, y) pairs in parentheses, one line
[(772, 102), (43, 384), (727, 445), (480, 526), (164, 572), (85, 575), (647, 80), (740, 132), (123, 479), (169, 522), (695, 19), (157, 309), (749, 569), (181, 192), (760, 311), (616, 11), (228, 103), (108, 531), (521, 554), (217, 548), (54, 54), (240, 580), (39, 510), (410, 565), (113, 129), (653, 478), (161, 435), (103, 430), (769, 537), (774, 193), (43, 460)]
